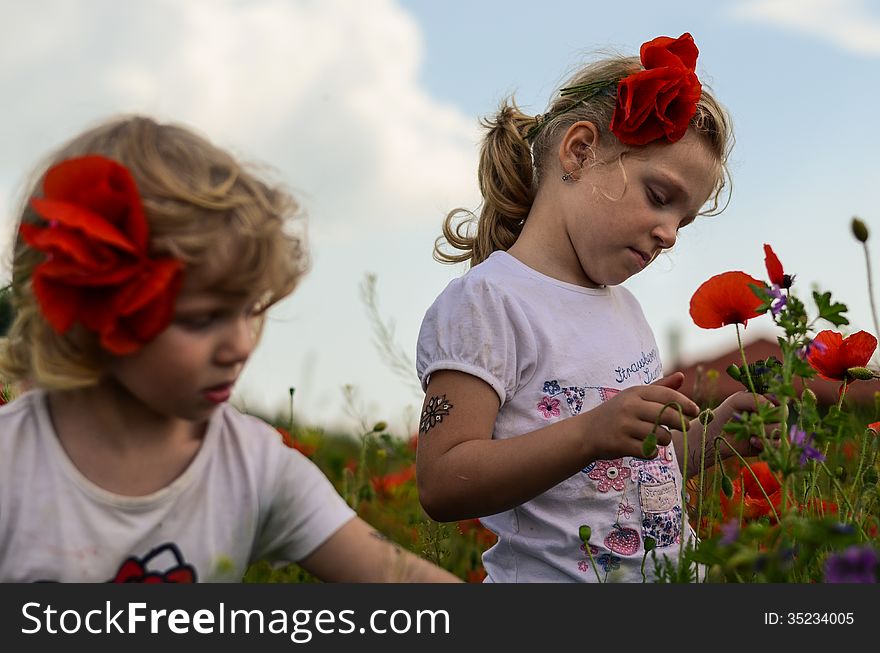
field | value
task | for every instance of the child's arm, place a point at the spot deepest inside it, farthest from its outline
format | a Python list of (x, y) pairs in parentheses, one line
[(739, 402), (358, 553), (462, 472)]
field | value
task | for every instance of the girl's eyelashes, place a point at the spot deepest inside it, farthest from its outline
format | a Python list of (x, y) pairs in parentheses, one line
[(195, 321), (657, 197)]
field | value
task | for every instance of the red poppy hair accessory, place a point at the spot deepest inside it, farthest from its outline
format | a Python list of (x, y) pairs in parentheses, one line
[(98, 270), (659, 101), (654, 103)]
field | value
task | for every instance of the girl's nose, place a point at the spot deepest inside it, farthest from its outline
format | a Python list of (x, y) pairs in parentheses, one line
[(666, 234)]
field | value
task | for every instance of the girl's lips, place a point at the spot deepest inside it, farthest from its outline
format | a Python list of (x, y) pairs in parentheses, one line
[(641, 258), (218, 394)]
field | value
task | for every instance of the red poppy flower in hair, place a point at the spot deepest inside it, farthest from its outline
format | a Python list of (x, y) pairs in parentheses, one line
[(97, 270), (660, 101)]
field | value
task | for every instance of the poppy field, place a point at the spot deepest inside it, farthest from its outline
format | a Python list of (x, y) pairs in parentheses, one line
[(805, 509)]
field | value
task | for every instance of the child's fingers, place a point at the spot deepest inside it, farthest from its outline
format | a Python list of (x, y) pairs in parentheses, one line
[(673, 381), (664, 435), (664, 395)]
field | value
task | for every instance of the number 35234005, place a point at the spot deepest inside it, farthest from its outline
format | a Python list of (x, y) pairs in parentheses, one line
[(808, 618)]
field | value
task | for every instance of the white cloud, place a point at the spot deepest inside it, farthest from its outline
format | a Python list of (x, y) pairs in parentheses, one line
[(325, 91), (848, 24)]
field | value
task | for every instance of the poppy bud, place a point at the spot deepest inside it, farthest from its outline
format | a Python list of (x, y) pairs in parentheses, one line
[(716, 574), (650, 544), (809, 397), (860, 230), (649, 446), (860, 373), (378, 427), (584, 533), (840, 473), (706, 417), (726, 486), (734, 372)]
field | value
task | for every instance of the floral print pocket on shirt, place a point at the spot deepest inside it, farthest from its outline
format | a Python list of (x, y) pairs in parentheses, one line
[(660, 499)]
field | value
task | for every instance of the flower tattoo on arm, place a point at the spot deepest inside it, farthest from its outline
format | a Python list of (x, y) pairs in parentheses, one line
[(435, 410)]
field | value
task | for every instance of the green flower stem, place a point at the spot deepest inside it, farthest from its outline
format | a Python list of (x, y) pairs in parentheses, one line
[(859, 469), (593, 563), (844, 497), (684, 430), (742, 352), (751, 471), (813, 486), (290, 414), (716, 481), (702, 476), (871, 289), (684, 523)]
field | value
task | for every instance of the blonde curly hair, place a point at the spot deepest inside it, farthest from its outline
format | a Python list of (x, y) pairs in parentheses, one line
[(203, 207)]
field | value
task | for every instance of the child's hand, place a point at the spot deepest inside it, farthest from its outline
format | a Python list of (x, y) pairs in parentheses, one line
[(739, 402), (621, 424)]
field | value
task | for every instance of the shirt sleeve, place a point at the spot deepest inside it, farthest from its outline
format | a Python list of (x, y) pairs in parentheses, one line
[(300, 507), (477, 328)]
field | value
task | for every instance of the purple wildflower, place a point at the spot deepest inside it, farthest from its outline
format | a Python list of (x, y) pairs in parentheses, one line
[(729, 532), (812, 346), (856, 564), (800, 438), (779, 300)]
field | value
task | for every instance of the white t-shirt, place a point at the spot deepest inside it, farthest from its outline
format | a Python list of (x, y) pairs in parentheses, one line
[(552, 350), (244, 497)]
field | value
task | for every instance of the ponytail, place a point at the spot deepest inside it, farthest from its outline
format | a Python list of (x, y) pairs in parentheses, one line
[(507, 184)]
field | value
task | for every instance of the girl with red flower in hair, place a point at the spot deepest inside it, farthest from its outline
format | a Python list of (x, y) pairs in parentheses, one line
[(145, 262), (575, 201)]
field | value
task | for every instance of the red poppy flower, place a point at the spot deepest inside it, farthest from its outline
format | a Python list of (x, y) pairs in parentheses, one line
[(820, 507), (774, 267), (305, 449), (748, 497), (831, 355), (385, 485), (476, 575), (725, 299), (874, 427), (97, 270), (659, 101)]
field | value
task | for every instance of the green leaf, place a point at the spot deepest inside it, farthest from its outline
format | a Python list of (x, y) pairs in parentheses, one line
[(828, 310)]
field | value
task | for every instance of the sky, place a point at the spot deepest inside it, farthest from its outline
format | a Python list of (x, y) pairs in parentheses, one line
[(368, 111)]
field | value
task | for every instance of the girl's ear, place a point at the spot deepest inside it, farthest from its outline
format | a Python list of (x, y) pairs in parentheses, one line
[(578, 146)]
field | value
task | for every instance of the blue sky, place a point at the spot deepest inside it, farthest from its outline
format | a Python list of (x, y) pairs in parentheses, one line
[(368, 111)]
